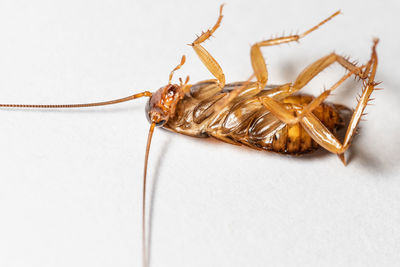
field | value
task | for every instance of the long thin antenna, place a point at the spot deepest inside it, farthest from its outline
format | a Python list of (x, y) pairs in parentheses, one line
[(146, 159), (95, 104)]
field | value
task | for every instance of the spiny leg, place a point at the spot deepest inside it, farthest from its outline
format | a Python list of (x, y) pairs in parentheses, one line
[(316, 102), (318, 66), (211, 64), (259, 66), (293, 116), (365, 97), (323, 136), (257, 59)]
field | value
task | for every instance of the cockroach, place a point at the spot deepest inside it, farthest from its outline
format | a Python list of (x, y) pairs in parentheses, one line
[(251, 113)]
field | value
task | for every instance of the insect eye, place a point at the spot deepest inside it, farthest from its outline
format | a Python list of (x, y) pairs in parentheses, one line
[(170, 92), (161, 123)]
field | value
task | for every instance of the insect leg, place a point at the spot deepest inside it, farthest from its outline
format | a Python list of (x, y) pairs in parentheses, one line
[(257, 59), (323, 136), (208, 60), (258, 62), (318, 66), (291, 116), (280, 110)]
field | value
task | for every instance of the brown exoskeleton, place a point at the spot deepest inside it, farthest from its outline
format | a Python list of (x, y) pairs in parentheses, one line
[(261, 116)]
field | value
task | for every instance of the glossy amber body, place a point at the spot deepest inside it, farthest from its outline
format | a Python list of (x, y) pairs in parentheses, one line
[(246, 121)]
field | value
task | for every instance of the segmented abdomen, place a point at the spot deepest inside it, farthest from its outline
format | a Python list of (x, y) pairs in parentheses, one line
[(245, 120)]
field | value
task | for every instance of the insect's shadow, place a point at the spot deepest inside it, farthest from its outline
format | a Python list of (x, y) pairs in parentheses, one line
[(366, 159), (355, 153)]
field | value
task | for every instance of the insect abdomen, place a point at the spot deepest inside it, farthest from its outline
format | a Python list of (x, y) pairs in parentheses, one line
[(293, 139), (265, 131)]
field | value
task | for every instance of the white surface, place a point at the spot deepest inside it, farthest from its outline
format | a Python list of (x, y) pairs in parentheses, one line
[(70, 186)]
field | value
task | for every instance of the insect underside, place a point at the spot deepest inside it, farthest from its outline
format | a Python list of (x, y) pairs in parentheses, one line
[(246, 121), (252, 113)]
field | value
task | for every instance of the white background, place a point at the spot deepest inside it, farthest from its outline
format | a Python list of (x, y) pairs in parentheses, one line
[(70, 180)]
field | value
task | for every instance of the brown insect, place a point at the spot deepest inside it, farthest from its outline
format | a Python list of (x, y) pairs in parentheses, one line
[(261, 116)]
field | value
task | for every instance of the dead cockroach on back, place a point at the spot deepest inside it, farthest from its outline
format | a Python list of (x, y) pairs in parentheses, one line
[(265, 117)]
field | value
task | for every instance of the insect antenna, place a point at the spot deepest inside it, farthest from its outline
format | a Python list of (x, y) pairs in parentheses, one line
[(83, 105), (104, 103), (183, 59), (146, 159)]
